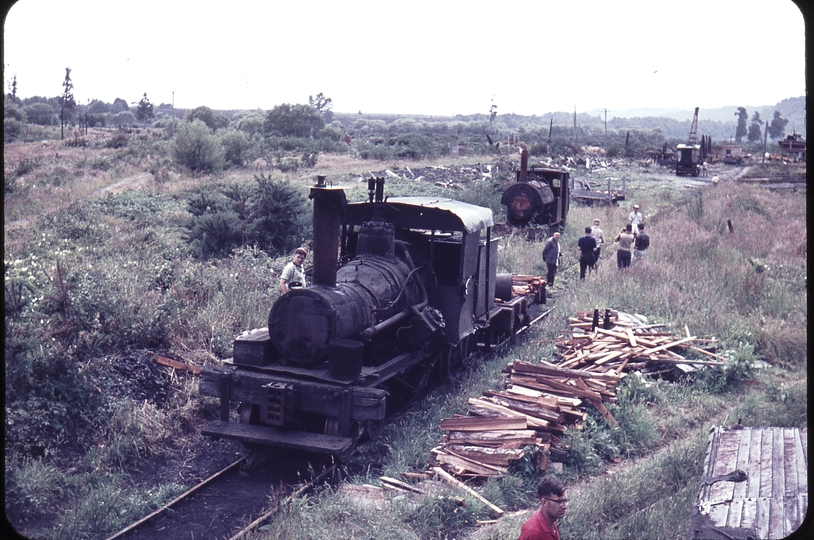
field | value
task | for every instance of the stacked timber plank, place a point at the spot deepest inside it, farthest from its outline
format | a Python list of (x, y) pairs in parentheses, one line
[(615, 341), (527, 420), (525, 285)]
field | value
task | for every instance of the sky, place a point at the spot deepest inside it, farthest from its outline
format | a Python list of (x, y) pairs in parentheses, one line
[(416, 57)]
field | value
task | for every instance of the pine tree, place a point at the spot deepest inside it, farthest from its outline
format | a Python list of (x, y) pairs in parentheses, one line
[(778, 126), (755, 128), (144, 111), (66, 102), (740, 131)]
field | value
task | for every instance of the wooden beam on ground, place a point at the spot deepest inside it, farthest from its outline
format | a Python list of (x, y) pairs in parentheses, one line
[(449, 479)]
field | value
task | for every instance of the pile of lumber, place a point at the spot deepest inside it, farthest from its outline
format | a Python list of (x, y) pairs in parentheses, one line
[(612, 341), (527, 420), (523, 285), (542, 400)]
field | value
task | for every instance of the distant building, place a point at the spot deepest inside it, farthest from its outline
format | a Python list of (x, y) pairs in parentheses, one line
[(794, 144), (730, 153)]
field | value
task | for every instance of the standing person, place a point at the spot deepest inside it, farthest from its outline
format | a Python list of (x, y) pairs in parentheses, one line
[(599, 236), (587, 247), (293, 275), (625, 239), (551, 257), (635, 217), (641, 244), (543, 524)]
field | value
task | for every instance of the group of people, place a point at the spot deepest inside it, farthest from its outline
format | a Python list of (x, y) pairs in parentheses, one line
[(633, 244)]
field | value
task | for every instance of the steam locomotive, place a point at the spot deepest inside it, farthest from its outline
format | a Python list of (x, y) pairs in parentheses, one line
[(410, 295), (541, 196)]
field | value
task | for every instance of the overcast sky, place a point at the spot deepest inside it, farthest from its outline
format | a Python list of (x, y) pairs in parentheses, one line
[(434, 57)]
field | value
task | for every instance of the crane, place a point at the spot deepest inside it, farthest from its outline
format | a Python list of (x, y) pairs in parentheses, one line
[(693, 128), (687, 163)]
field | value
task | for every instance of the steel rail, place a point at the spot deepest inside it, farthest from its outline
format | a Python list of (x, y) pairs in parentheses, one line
[(175, 500), (284, 502)]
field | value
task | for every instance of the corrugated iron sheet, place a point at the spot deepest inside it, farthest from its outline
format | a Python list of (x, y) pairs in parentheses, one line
[(772, 501)]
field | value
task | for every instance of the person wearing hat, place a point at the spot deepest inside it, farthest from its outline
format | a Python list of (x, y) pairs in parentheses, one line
[(293, 275), (599, 236), (635, 217)]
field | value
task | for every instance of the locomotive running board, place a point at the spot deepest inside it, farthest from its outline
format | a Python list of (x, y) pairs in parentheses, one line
[(266, 435)]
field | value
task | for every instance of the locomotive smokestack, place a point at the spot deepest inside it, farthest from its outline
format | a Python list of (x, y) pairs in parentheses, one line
[(524, 164), (329, 203)]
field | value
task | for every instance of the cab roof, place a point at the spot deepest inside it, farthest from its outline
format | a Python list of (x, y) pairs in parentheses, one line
[(435, 213)]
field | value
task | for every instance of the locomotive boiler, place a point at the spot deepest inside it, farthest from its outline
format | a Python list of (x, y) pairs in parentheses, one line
[(540, 196), (403, 289)]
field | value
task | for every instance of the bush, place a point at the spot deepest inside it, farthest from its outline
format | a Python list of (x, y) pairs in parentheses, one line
[(13, 130), (197, 149), (214, 121), (272, 215), (293, 121), (235, 144)]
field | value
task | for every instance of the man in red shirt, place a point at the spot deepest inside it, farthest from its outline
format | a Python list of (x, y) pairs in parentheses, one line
[(543, 524)]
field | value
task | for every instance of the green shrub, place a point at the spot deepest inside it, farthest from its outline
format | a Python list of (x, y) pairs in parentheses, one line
[(235, 144), (32, 488), (197, 148), (13, 130), (215, 233), (272, 215)]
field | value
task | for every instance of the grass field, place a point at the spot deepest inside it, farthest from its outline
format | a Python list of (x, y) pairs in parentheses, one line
[(97, 262)]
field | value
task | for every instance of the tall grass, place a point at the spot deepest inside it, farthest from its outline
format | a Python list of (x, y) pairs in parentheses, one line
[(142, 289)]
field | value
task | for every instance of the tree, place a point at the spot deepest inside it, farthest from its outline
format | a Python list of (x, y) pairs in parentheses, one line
[(41, 114), (740, 131), (755, 128), (213, 120), (197, 148), (144, 110), (293, 121), (119, 105), (778, 126), (13, 93), (323, 105), (66, 102)]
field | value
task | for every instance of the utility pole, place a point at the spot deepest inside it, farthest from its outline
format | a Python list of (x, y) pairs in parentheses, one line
[(606, 130), (173, 114), (765, 140), (550, 127), (575, 125)]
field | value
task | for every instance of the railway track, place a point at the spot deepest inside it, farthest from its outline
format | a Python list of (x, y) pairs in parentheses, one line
[(239, 498), (229, 503)]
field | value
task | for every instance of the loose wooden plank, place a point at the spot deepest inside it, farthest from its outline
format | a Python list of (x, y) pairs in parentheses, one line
[(171, 362), (470, 423), (459, 462), (494, 510)]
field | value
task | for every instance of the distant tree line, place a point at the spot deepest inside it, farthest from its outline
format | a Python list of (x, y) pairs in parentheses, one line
[(290, 136)]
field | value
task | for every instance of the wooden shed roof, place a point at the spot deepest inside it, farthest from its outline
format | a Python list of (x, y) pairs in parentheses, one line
[(755, 484)]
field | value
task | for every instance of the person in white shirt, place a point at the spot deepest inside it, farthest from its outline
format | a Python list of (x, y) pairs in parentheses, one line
[(293, 275), (635, 217), (599, 236)]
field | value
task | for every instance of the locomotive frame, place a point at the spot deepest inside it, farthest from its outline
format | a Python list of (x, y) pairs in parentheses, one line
[(414, 294)]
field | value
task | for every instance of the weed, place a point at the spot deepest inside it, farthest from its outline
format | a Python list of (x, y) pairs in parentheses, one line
[(32, 487)]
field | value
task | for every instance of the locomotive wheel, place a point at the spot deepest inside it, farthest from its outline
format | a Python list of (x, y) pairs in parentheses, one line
[(331, 426), (249, 413), (374, 428)]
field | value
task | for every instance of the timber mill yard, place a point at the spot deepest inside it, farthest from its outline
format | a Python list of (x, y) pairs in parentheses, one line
[(110, 317)]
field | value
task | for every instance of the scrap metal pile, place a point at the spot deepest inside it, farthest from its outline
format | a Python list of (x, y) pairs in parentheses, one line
[(541, 400)]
